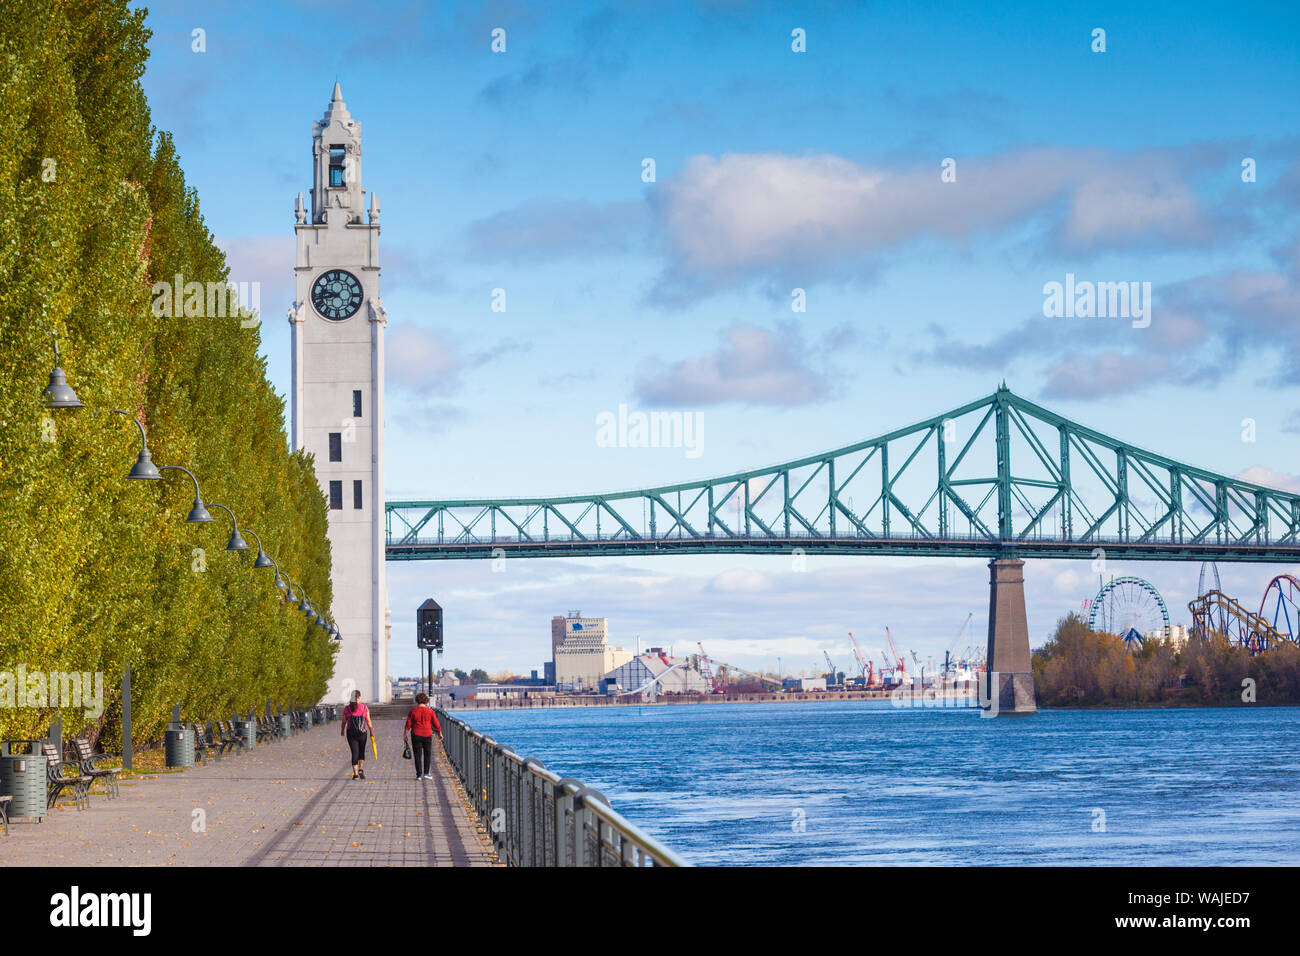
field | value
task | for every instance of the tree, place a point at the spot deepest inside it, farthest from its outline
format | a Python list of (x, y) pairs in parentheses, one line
[(478, 676), (95, 571)]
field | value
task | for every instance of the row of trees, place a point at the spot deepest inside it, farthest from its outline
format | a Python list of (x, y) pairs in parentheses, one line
[(1079, 668), (97, 571)]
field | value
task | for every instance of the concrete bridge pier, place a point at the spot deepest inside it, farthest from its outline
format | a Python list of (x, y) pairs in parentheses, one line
[(1009, 678)]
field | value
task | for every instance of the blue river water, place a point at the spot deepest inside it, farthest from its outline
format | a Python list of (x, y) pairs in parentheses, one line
[(868, 783)]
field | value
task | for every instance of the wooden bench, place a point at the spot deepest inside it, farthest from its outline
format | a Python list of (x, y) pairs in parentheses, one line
[(91, 766), (63, 774), (202, 745), (231, 738), (267, 729)]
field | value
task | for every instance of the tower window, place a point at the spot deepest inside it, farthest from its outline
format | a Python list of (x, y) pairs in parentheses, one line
[(336, 446), (336, 165), (356, 403), (336, 496), (356, 494)]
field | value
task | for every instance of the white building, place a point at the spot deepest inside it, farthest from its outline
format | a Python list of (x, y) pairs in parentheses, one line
[(1177, 635), (671, 675), (583, 654), (337, 324)]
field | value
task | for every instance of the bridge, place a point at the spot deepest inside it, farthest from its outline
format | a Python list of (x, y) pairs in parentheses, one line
[(999, 478)]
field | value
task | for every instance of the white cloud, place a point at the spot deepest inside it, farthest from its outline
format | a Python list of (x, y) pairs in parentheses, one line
[(753, 364), (735, 215), (1261, 475), (420, 359)]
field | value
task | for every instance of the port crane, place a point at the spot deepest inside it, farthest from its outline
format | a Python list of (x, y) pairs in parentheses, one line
[(867, 669), (900, 664), (831, 677), (948, 664), (705, 670)]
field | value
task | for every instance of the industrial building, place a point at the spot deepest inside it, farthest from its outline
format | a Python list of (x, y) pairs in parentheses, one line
[(673, 675), (582, 653)]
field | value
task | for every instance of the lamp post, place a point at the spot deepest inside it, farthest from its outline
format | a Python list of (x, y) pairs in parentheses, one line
[(198, 514), (236, 542), (59, 394), (263, 560), (144, 468)]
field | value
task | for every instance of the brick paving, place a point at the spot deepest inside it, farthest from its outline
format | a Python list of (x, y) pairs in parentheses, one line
[(285, 803)]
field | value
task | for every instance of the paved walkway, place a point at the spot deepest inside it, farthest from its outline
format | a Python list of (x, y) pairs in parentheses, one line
[(285, 803)]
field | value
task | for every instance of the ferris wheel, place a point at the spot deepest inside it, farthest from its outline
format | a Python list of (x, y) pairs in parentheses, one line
[(1130, 607)]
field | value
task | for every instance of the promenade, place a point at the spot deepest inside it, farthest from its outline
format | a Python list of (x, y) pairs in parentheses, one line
[(285, 803)]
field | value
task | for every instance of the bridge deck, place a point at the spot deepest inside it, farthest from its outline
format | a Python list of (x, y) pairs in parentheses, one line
[(285, 803)]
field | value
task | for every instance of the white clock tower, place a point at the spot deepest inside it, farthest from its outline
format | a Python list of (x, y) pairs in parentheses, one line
[(337, 321)]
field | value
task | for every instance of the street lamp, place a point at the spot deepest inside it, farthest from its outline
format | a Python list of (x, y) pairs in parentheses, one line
[(198, 514), (263, 561), (144, 467), (59, 394), (236, 542)]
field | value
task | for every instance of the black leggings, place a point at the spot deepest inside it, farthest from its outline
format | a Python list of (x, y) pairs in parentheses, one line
[(357, 742), (423, 747)]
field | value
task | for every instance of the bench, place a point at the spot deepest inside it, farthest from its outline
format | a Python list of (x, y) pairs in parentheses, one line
[(268, 728), (90, 765), (63, 774), (202, 745), (231, 737), (5, 800)]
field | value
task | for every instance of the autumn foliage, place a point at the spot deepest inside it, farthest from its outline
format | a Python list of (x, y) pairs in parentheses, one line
[(97, 570)]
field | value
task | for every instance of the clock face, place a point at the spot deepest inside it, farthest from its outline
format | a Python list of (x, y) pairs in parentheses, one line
[(336, 294)]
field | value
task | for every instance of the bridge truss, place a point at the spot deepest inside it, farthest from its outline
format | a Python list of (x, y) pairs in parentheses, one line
[(998, 477)]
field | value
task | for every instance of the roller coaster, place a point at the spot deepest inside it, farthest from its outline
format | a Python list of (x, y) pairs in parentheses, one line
[(1132, 608), (1276, 623)]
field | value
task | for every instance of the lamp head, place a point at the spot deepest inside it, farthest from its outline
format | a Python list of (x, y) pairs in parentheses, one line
[(59, 394), (144, 468)]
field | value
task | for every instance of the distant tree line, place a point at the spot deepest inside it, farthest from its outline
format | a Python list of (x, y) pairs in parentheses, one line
[(1078, 667)]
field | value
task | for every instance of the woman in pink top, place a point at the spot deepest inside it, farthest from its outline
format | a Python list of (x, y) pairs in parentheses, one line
[(356, 724)]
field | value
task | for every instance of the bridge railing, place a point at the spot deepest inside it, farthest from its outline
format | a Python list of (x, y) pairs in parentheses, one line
[(536, 818)]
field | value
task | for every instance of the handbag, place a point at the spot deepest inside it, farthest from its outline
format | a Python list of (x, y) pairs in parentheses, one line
[(406, 751)]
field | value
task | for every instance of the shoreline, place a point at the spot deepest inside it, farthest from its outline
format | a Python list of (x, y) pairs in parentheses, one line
[(957, 697), (949, 699)]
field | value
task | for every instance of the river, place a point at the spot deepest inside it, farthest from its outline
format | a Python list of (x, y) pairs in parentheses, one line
[(865, 782)]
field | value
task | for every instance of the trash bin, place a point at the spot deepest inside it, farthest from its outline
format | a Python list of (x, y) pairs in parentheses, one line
[(249, 729), (23, 776), (178, 748), (306, 718), (283, 721)]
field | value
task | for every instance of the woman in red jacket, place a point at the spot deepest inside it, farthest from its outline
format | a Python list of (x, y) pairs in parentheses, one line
[(421, 722)]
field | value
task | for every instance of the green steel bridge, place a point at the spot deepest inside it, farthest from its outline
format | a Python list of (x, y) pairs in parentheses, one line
[(998, 478)]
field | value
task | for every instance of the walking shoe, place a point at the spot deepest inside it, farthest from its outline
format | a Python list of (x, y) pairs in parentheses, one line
[(428, 777), (361, 774)]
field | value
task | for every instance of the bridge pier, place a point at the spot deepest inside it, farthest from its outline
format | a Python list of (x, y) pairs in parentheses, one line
[(1009, 678)]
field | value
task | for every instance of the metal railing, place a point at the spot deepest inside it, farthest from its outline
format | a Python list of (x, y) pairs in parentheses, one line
[(536, 818)]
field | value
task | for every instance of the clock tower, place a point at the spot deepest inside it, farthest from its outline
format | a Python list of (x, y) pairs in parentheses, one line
[(337, 324)]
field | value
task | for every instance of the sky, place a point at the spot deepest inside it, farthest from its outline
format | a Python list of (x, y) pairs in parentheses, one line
[(1169, 158)]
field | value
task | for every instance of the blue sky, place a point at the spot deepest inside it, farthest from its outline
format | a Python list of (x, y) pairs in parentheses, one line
[(774, 170)]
